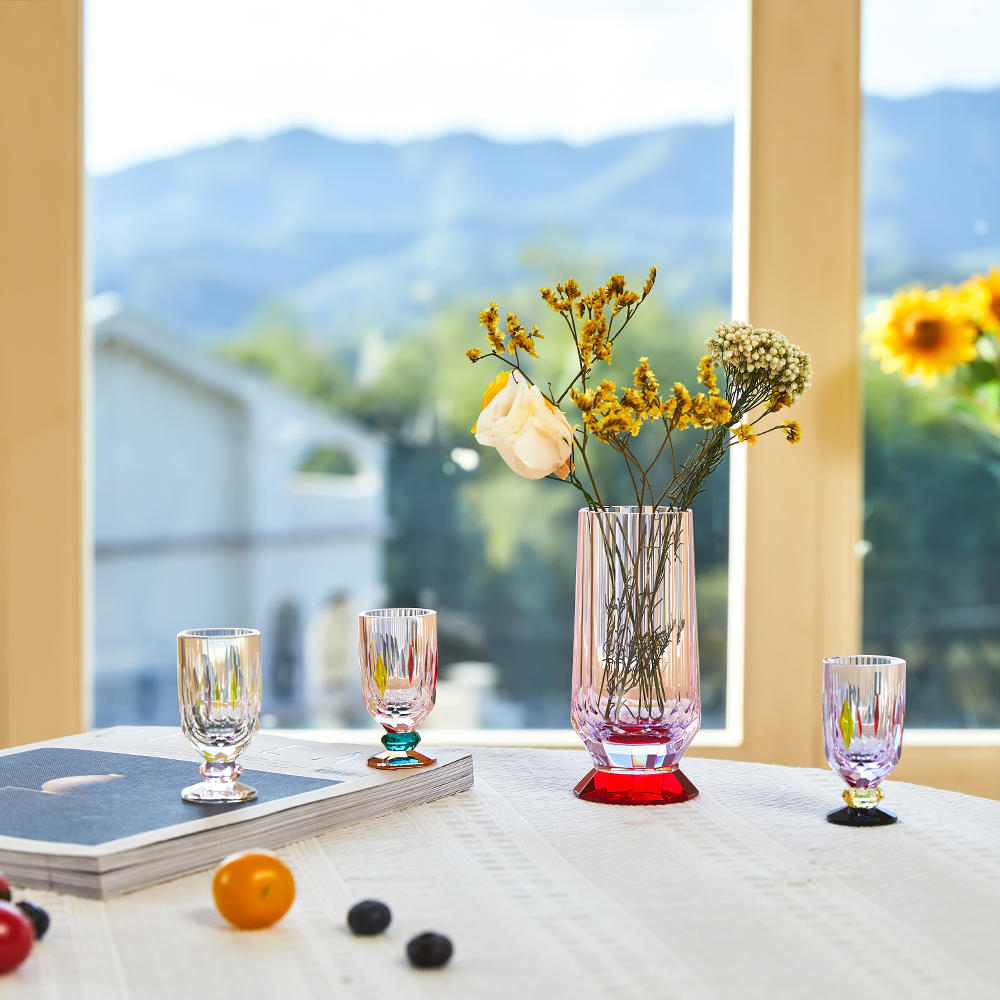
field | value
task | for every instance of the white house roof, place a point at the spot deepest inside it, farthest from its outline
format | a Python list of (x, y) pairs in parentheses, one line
[(112, 322), (282, 428)]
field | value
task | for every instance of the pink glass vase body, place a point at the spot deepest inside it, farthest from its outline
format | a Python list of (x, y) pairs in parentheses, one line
[(636, 701)]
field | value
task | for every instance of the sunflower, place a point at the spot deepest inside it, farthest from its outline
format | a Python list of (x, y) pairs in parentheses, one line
[(923, 333), (984, 289)]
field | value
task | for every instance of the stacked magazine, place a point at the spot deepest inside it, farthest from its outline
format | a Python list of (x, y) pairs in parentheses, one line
[(100, 814)]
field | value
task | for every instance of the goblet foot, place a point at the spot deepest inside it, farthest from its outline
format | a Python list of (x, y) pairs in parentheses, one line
[(400, 752), (636, 788), (220, 786), (862, 809), (861, 817)]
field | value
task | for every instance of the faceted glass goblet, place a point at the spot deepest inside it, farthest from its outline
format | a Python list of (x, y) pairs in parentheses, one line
[(218, 684), (864, 701), (398, 651)]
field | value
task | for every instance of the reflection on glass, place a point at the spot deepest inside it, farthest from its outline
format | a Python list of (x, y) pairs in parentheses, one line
[(864, 701), (398, 650), (218, 683)]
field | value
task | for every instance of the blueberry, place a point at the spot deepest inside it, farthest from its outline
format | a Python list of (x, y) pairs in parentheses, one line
[(38, 917), (368, 917), (429, 950)]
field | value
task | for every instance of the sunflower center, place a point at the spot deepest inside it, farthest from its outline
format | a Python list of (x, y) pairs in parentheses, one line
[(927, 333)]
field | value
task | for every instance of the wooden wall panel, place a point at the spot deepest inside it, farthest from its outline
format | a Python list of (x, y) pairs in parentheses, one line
[(42, 533), (796, 269)]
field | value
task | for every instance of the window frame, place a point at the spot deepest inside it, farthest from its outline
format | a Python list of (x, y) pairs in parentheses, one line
[(795, 515)]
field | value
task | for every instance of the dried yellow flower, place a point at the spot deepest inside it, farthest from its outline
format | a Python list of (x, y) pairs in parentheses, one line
[(604, 415), (615, 284), (779, 399), (519, 338), (490, 318), (706, 374), (793, 432), (593, 340), (645, 381), (571, 290), (617, 419), (745, 433), (634, 399), (681, 411), (650, 281), (605, 392), (701, 411), (720, 410), (555, 302), (654, 410), (474, 354)]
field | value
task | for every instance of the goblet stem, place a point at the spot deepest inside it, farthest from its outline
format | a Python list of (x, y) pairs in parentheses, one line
[(400, 752), (220, 785), (863, 798), (220, 773), (862, 809)]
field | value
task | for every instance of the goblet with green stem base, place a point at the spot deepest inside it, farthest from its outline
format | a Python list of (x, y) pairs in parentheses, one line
[(398, 651)]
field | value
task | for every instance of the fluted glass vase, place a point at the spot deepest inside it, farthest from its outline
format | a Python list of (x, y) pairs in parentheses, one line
[(636, 700)]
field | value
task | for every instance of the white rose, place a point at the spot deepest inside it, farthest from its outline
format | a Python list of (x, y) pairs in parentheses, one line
[(531, 435)]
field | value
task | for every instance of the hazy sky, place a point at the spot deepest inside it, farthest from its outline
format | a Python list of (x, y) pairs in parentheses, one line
[(163, 77)]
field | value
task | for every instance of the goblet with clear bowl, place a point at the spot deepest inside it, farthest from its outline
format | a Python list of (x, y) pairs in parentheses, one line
[(218, 684), (864, 701)]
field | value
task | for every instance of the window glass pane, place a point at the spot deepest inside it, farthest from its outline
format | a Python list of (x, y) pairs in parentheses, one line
[(932, 469), (297, 213)]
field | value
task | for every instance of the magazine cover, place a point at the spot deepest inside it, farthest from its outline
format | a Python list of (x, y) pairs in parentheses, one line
[(98, 801)]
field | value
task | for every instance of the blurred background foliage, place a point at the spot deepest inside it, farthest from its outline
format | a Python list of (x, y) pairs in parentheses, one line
[(494, 553), (932, 575), (341, 272)]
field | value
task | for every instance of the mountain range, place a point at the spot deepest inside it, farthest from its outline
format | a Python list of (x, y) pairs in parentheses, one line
[(363, 236)]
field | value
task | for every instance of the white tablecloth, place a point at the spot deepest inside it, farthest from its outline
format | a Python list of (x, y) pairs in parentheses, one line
[(744, 892)]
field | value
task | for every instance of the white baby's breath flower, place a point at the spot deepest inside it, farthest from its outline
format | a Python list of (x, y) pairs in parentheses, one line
[(745, 350)]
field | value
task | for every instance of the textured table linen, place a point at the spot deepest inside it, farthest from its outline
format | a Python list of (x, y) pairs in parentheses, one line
[(744, 892)]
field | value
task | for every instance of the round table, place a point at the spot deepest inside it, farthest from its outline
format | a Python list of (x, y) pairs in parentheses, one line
[(746, 891)]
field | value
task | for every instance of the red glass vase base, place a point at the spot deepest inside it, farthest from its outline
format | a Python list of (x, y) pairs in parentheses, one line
[(622, 789)]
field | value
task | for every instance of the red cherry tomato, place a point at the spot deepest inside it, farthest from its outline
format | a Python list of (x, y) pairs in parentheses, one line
[(4, 888), (16, 937)]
